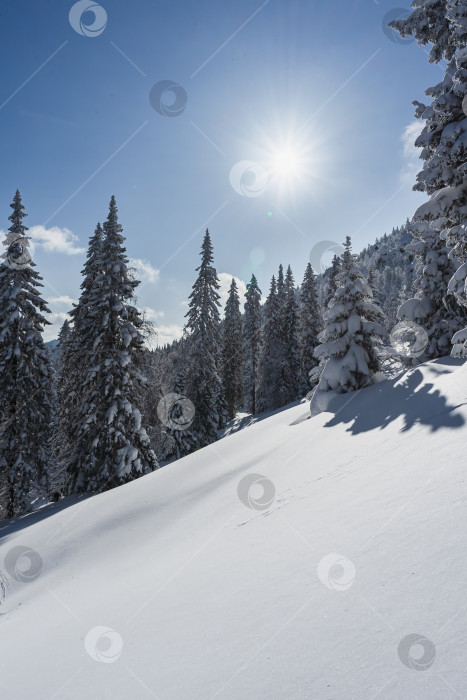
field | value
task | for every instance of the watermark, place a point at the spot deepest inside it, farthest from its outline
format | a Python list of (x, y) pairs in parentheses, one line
[(336, 572), (176, 411), (17, 256), (256, 491), (409, 339), (23, 564), (103, 644), (84, 10), (168, 98), (248, 179), (416, 652), (322, 253), (392, 34)]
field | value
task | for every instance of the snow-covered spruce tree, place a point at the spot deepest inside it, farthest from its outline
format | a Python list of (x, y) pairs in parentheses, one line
[(429, 24), (202, 327), (178, 426), (286, 350), (110, 445), (376, 284), (75, 364), (429, 307), (251, 343), (57, 466), (232, 353), (291, 339), (281, 293), (330, 286), (271, 392), (26, 408), (433, 306), (456, 234), (63, 338), (371, 277), (443, 177), (310, 326), (352, 333)]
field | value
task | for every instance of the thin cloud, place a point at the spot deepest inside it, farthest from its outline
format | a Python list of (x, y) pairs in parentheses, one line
[(67, 301), (52, 240), (412, 164), (151, 314), (146, 272), (167, 334), (56, 240)]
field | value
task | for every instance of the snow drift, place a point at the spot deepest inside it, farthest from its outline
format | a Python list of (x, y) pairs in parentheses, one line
[(338, 571)]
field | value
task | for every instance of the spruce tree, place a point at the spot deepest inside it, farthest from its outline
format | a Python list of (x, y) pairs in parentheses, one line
[(57, 472), (110, 445), (456, 236), (92, 268), (371, 278), (286, 387), (281, 293), (331, 283), (251, 343), (352, 332), (429, 307), (291, 339), (202, 327), (444, 23), (310, 326), (232, 355), (63, 338), (281, 299), (271, 392), (75, 364), (26, 409), (429, 24), (177, 410)]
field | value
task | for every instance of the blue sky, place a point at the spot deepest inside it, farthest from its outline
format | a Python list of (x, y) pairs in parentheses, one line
[(314, 94)]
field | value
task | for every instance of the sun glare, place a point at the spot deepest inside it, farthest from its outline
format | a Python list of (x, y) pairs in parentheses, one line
[(289, 166), (286, 162), (291, 161)]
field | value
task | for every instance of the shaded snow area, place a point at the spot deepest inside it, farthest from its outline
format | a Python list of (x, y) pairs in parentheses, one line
[(338, 572)]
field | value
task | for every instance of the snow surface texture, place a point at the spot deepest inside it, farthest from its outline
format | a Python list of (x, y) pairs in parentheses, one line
[(170, 587)]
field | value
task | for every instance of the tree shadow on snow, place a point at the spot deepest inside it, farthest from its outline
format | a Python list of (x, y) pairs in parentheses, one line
[(12, 526), (410, 397)]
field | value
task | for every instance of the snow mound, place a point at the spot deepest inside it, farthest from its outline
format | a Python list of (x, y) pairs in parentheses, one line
[(320, 558)]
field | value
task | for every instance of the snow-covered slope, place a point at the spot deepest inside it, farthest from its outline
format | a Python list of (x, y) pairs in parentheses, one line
[(208, 598)]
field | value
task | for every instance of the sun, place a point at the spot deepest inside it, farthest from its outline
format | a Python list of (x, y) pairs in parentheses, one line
[(288, 165), (291, 161), (286, 162)]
